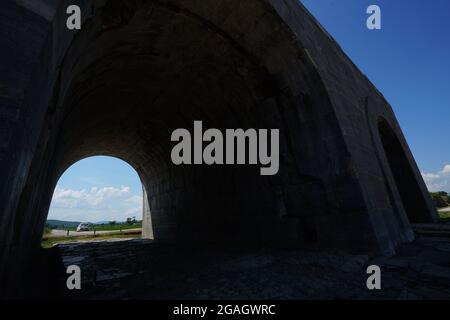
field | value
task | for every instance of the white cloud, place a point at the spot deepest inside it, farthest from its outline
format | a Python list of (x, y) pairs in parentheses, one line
[(438, 181), (135, 199), (95, 204), (430, 176), (446, 169)]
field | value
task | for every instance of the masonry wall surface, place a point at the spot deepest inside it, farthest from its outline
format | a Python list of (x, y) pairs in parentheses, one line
[(140, 69)]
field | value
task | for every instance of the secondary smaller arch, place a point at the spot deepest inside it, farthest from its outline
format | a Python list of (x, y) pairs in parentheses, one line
[(411, 195)]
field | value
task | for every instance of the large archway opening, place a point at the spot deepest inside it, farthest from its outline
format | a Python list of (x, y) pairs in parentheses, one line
[(98, 198), (124, 88), (137, 71), (412, 197)]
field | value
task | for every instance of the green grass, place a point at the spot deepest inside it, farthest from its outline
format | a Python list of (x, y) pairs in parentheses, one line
[(105, 227), (444, 215), (50, 242), (112, 227)]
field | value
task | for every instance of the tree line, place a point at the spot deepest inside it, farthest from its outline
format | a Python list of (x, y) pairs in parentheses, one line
[(441, 199)]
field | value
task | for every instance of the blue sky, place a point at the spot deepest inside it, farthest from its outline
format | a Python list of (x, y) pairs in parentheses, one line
[(97, 189), (408, 60)]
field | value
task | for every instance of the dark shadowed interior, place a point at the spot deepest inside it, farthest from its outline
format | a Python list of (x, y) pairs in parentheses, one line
[(137, 70), (412, 198)]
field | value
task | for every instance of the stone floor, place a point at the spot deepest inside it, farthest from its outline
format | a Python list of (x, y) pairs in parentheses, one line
[(138, 269)]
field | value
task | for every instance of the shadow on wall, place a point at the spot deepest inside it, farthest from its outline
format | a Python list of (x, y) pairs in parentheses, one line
[(412, 197)]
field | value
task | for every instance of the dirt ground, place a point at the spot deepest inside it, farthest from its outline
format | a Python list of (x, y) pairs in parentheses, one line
[(63, 233), (142, 269)]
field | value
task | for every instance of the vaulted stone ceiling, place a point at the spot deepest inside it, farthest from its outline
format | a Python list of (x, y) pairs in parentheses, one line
[(44, 8)]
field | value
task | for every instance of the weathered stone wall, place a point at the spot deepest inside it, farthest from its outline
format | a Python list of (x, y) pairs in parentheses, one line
[(22, 34), (139, 69), (359, 107)]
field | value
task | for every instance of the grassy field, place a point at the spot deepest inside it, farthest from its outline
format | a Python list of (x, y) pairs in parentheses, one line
[(49, 242), (103, 227), (108, 227), (444, 215)]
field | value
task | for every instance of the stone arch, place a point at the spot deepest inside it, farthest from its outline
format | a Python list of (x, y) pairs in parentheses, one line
[(411, 195), (138, 70)]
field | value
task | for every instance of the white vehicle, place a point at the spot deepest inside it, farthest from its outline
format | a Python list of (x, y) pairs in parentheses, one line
[(83, 227)]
